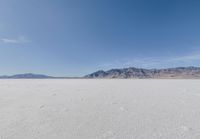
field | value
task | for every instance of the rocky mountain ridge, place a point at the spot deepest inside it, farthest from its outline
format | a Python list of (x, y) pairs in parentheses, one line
[(140, 73)]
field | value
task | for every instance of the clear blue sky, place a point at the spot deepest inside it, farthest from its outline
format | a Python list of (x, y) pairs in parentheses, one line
[(76, 37)]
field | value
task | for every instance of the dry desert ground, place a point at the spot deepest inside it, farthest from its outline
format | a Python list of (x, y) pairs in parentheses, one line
[(99, 109)]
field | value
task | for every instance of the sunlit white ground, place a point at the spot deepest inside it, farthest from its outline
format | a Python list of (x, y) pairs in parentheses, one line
[(98, 109)]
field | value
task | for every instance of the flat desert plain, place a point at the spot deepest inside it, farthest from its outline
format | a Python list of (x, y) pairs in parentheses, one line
[(99, 109)]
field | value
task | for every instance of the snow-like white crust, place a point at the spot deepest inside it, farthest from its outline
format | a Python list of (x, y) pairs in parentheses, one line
[(98, 109)]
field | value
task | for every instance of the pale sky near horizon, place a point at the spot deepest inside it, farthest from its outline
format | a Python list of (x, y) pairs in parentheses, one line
[(77, 37)]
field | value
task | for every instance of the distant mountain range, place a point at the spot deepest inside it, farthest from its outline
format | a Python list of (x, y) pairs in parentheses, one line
[(132, 72), (140, 73)]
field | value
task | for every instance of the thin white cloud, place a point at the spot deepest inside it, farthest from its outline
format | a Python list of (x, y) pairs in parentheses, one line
[(187, 57), (18, 40), (155, 62)]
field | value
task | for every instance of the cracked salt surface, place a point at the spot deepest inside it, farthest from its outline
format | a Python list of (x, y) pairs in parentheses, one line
[(99, 109)]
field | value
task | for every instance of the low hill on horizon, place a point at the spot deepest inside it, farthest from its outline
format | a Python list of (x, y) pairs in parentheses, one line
[(26, 76), (34, 76)]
